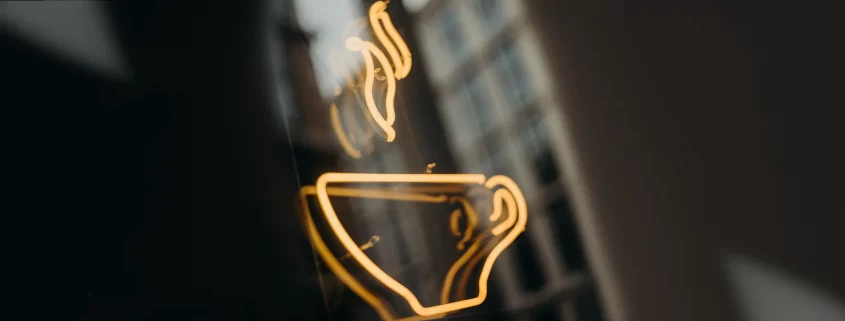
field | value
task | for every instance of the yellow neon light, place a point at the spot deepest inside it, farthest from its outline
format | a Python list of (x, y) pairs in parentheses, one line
[(433, 189), (381, 308), (380, 21), (472, 221), (372, 242), (503, 182), (364, 142), (368, 51), (385, 194), (509, 200), (341, 135), (453, 222), (464, 280), (398, 66), (450, 276), (501, 195)]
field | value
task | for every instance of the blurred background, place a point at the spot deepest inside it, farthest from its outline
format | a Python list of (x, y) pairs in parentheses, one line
[(679, 161)]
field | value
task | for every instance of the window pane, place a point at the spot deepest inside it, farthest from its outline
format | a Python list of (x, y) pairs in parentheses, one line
[(533, 137), (451, 31), (485, 160), (529, 265), (512, 77), (490, 11), (501, 163), (477, 104), (566, 231)]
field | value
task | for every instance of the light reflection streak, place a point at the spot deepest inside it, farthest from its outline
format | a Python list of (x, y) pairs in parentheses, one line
[(341, 135)]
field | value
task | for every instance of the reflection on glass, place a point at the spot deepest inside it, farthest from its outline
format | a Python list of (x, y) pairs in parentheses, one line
[(477, 107), (501, 161), (451, 32), (531, 275), (349, 141), (377, 81), (512, 76), (490, 12), (533, 136)]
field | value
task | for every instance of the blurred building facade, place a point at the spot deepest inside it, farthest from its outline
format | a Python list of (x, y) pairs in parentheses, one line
[(501, 117)]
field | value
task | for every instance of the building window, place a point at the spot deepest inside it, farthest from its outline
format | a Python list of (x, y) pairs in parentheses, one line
[(568, 239), (546, 312), (512, 76), (587, 305), (494, 161), (533, 137), (475, 103), (546, 167), (501, 163), (483, 161), (490, 11), (451, 32), (530, 272), (487, 167), (393, 161)]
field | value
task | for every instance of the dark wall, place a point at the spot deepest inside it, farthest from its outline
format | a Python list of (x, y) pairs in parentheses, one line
[(166, 196), (699, 129)]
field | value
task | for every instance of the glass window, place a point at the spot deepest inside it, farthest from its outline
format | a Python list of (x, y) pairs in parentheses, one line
[(545, 313), (533, 137), (484, 161), (512, 76), (490, 11), (501, 164), (546, 167), (535, 142), (493, 160), (476, 104), (393, 161), (451, 32), (569, 243), (487, 167), (528, 265)]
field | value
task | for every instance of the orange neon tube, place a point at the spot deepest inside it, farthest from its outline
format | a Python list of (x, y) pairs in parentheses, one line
[(373, 269)]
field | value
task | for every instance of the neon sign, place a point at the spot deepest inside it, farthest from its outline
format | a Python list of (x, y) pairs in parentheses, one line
[(508, 218), (482, 234), (395, 65)]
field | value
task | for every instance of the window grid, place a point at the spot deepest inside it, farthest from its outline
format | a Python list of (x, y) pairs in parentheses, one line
[(476, 105), (533, 136), (490, 11), (451, 31), (512, 76), (501, 163)]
